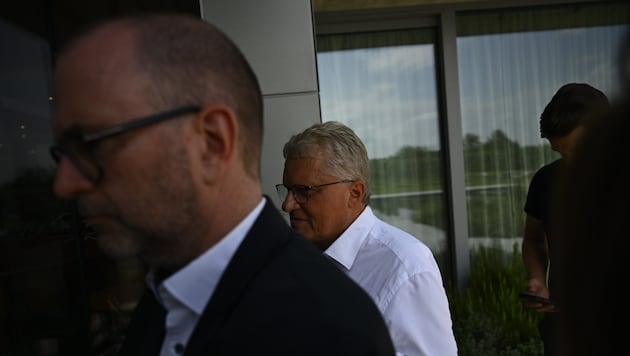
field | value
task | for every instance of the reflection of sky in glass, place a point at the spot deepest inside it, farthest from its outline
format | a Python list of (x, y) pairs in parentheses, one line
[(507, 79), (387, 95)]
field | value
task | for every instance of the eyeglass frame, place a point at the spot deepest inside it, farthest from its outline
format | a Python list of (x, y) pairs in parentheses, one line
[(84, 140), (307, 190)]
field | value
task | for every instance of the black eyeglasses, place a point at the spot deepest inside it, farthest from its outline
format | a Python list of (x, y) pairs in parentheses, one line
[(79, 147), (302, 192)]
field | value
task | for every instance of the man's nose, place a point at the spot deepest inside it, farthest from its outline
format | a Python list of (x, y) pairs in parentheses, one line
[(289, 204), (69, 183)]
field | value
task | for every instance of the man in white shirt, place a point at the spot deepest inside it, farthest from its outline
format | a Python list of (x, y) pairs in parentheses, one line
[(326, 192)]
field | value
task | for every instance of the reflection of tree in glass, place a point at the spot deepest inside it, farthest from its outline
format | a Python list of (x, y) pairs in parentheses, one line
[(497, 172)]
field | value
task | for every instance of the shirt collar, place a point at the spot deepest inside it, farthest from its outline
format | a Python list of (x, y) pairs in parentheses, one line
[(194, 284), (346, 247)]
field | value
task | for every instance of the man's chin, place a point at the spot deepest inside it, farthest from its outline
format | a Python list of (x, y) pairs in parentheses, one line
[(117, 246), (300, 224)]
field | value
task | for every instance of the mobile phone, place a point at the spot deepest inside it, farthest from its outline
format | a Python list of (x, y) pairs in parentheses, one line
[(534, 298)]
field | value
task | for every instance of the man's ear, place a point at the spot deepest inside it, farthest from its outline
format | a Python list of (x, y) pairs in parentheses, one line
[(357, 192), (219, 131)]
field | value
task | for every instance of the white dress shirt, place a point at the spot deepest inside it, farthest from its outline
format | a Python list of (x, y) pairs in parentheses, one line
[(403, 278), (185, 293)]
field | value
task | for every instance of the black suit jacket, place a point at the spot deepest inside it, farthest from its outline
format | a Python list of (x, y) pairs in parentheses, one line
[(278, 296)]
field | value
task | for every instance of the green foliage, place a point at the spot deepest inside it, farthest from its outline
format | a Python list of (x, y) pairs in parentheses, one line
[(497, 212), (488, 316), (410, 169), (497, 174), (432, 212), (500, 153)]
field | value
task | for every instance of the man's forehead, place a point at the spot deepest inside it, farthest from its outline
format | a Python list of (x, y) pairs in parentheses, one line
[(304, 162), (99, 45), (305, 170), (93, 79)]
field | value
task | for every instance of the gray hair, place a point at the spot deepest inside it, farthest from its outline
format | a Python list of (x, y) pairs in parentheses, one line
[(343, 152)]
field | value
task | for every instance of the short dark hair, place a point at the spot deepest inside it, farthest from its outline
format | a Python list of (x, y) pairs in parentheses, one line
[(573, 105), (194, 63)]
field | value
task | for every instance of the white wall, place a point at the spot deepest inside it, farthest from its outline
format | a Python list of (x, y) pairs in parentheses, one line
[(277, 38)]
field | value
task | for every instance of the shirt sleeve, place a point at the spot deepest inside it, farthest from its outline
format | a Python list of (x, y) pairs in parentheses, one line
[(535, 194), (419, 318), (540, 191)]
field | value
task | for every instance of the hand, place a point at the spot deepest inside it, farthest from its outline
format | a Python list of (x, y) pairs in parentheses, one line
[(537, 302), (537, 288)]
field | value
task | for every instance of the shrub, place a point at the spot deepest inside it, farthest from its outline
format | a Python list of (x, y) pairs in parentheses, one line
[(488, 316)]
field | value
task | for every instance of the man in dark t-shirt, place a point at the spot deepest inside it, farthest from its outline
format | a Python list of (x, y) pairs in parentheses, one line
[(540, 200), (563, 123)]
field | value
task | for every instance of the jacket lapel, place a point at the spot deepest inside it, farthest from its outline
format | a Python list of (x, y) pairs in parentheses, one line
[(268, 234)]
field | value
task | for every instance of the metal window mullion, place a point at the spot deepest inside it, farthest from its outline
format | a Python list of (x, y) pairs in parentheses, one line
[(456, 183)]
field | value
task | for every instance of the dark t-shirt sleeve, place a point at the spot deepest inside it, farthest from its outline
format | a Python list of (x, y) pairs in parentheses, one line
[(539, 194)]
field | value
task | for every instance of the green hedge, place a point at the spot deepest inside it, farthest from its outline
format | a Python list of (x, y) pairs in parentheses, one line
[(488, 316)]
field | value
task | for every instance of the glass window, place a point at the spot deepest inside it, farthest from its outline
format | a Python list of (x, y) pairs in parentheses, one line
[(59, 295), (511, 62), (383, 85), (40, 271)]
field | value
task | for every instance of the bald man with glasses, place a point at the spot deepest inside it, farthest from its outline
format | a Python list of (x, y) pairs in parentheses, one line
[(158, 134)]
